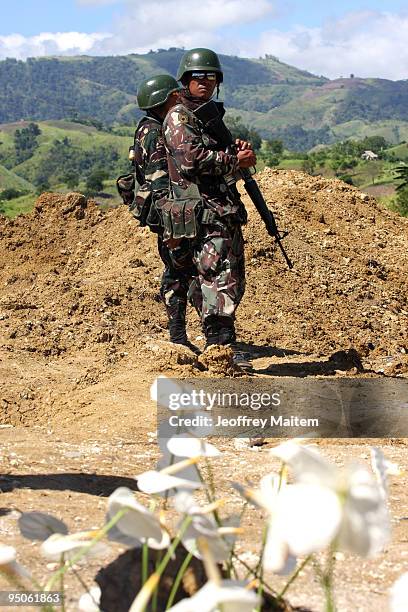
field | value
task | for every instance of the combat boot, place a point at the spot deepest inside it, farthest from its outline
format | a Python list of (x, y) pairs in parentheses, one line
[(177, 329), (219, 330), (241, 358)]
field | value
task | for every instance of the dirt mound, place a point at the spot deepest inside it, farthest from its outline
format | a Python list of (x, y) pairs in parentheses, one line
[(218, 361), (349, 284), (79, 290)]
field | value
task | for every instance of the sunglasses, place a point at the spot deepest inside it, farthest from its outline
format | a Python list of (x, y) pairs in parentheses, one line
[(199, 76)]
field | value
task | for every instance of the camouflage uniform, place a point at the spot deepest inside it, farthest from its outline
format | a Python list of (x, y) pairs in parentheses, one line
[(152, 174), (194, 159)]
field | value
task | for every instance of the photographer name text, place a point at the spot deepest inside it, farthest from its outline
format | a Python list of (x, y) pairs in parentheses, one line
[(242, 421)]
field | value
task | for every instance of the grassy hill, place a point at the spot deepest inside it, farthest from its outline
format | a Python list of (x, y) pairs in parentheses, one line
[(10, 180), (65, 150), (277, 99)]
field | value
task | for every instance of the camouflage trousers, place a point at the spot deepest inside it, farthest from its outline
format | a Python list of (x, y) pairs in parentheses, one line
[(178, 276), (220, 260)]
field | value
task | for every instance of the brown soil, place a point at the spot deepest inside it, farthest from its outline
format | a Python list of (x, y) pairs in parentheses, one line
[(84, 335)]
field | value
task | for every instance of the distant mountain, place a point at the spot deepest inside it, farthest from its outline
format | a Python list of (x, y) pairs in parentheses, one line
[(275, 98)]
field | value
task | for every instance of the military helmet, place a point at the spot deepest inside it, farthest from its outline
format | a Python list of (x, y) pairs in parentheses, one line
[(155, 91), (200, 59)]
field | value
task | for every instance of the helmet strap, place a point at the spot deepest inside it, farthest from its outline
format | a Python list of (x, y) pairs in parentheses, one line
[(218, 90)]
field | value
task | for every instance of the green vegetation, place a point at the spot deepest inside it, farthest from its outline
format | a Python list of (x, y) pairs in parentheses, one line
[(277, 100), (401, 202), (67, 156)]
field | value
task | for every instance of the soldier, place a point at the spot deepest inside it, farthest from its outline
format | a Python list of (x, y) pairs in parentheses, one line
[(199, 170), (156, 96)]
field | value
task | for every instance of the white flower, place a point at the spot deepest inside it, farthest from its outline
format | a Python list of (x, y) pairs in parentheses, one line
[(8, 563), (399, 594), (219, 539), (383, 468), (89, 602), (68, 545), (167, 460), (303, 519), (157, 482), (138, 522), (185, 445), (7, 555), (307, 465), (228, 595), (364, 525), (39, 526)]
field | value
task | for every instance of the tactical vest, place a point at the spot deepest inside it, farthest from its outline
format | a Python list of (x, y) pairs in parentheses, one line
[(202, 200), (134, 190)]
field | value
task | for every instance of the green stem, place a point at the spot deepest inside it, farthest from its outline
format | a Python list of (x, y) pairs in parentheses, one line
[(167, 493), (294, 576), (155, 597), (81, 581), (145, 561), (327, 580), (178, 579), (170, 551), (259, 567), (230, 565), (83, 551), (253, 572), (211, 484)]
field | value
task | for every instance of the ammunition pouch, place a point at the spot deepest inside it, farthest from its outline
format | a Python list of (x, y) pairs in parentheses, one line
[(180, 217), (143, 208), (209, 217)]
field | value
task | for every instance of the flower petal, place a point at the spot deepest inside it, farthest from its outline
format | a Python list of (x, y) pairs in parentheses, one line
[(7, 554), (187, 446), (277, 557), (157, 482), (204, 527), (138, 522), (365, 528), (399, 594), (9, 565), (39, 525), (89, 602), (229, 595), (308, 517), (68, 545), (307, 464)]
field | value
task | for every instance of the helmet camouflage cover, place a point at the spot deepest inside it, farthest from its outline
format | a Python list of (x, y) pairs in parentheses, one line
[(155, 91), (200, 59)]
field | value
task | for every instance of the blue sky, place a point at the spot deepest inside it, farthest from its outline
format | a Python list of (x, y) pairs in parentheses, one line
[(367, 38)]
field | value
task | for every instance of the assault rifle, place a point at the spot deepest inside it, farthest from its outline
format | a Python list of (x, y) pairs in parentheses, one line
[(211, 116)]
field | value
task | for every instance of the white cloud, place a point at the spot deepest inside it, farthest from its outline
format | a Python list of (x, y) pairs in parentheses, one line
[(144, 25), (365, 43), (47, 43), (153, 24)]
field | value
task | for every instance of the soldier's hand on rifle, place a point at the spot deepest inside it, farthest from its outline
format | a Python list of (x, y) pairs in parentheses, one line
[(246, 158), (241, 145)]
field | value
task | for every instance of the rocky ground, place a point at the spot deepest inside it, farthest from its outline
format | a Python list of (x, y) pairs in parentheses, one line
[(83, 337)]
